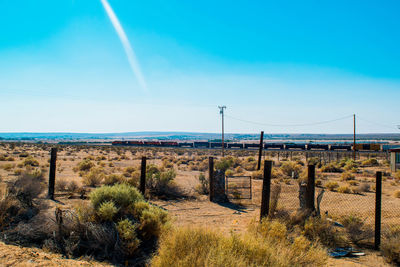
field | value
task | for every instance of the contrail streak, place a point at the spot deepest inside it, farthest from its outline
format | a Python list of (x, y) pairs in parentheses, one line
[(126, 44)]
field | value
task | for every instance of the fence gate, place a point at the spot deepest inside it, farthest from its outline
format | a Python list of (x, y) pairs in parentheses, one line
[(238, 187)]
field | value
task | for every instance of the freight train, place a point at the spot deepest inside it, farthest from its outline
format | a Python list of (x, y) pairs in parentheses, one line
[(266, 146)]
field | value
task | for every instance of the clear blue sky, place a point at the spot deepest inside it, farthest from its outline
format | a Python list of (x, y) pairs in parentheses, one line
[(63, 67)]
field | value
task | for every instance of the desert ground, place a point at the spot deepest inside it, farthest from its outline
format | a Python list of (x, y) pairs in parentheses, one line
[(348, 192)]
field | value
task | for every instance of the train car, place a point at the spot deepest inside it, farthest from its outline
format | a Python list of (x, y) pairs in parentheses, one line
[(235, 145), (218, 145), (152, 143), (251, 145), (368, 147), (274, 146), (119, 143), (185, 144), (340, 147), (201, 144), (169, 144), (295, 146), (317, 147), (135, 143)]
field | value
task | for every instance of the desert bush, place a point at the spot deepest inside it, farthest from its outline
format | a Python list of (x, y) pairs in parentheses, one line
[(350, 165), (72, 186), (203, 187), (356, 230), (29, 161), (8, 166), (331, 167), (257, 174), (152, 219), (229, 173), (390, 246), (94, 177), (161, 183), (346, 176), (85, 165), (322, 230), (332, 185), (315, 161), (291, 169), (397, 176), (397, 194), (113, 179), (344, 189), (61, 185), (370, 162), (224, 163), (201, 247)]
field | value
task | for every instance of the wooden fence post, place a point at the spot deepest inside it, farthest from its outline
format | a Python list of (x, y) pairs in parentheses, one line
[(311, 188), (260, 150), (143, 176), (211, 177), (52, 172), (266, 189), (378, 209)]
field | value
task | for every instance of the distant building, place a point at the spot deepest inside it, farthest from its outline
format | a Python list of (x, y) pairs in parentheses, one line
[(394, 159)]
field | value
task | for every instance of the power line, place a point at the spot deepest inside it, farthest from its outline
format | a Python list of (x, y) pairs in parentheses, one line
[(378, 123), (290, 125)]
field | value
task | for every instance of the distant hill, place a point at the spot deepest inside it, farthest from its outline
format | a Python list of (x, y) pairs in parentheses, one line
[(64, 136)]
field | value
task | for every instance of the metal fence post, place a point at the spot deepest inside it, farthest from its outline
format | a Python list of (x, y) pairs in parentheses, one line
[(260, 150), (211, 177), (266, 189), (311, 188), (143, 176), (378, 209), (52, 172)]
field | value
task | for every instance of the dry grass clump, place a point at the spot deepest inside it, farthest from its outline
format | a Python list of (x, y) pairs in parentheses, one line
[(344, 189), (331, 185), (397, 194), (346, 176), (390, 246), (84, 165), (322, 230), (114, 179), (356, 230), (331, 167), (266, 245), (94, 177), (370, 162), (160, 182), (30, 161)]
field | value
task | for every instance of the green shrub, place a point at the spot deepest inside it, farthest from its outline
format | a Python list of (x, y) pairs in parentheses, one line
[(107, 211), (224, 163), (127, 232), (229, 173), (122, 195), (203, 187)]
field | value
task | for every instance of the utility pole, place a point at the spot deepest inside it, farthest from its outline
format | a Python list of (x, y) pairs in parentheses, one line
[(221, 111), (354, 137)]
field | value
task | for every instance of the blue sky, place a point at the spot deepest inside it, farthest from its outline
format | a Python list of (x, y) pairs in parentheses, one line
[(63, 67)]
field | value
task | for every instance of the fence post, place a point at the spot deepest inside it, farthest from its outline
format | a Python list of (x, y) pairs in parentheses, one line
[(143, 176), (311, 188), (378, 210), (52, 172), (266, 189), (260, 150), (211, 177)]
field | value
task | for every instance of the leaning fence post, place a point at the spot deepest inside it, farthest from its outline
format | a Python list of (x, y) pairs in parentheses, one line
[(311, 188), (378, 210), (211, 177), (143, 176), (52, 172), (266, 189)]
